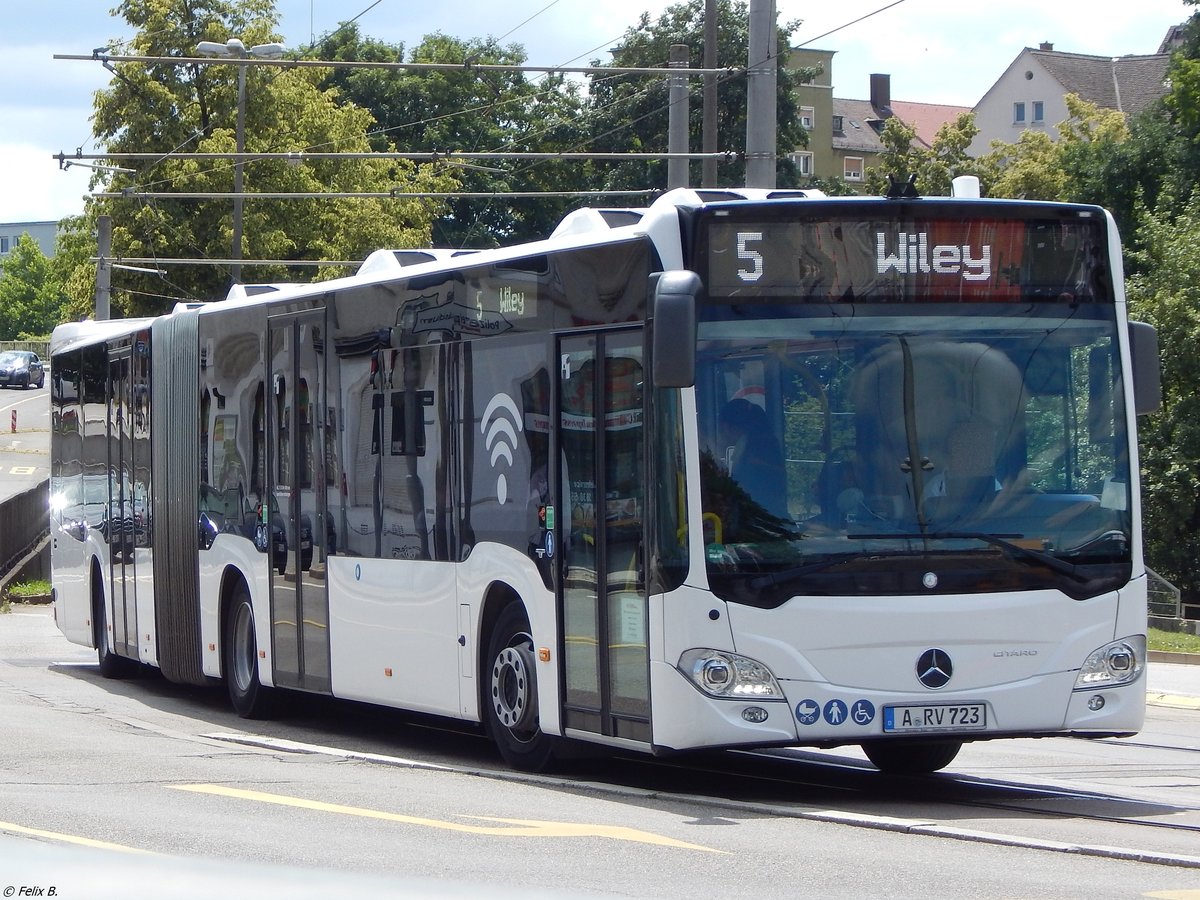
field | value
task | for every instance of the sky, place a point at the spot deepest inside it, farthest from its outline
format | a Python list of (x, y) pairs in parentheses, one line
[(936, 51)]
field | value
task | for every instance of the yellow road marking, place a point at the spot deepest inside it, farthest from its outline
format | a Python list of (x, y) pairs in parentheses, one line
[(1175, 895), (507, 828), (68, 838)]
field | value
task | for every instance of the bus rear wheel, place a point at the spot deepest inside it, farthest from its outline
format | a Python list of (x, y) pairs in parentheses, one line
[(250, 699), (112, 665), (510, 707), (911, 757)]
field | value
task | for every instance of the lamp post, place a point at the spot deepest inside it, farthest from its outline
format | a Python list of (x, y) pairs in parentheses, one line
[(235, 49)]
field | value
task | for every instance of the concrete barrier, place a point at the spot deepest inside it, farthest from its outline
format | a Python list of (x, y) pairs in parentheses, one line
[(25, 526)]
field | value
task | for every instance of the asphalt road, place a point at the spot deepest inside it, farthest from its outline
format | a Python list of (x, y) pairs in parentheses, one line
[(340, 799), (25, 448)]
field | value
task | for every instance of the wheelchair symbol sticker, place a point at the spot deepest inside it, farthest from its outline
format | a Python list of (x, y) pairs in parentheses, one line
[(863, 712)]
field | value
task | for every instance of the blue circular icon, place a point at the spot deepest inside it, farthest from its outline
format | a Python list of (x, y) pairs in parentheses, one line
[(808, 712), (548, 544), (835, 712), (862, 712)]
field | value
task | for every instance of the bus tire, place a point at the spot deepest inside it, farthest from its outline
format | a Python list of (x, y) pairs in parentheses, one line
[(250, 699), (510, 701), (911, 757), (112, 664)]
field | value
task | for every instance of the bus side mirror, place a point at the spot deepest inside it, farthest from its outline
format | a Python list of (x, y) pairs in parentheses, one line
[(1147, 377), (673, 328)]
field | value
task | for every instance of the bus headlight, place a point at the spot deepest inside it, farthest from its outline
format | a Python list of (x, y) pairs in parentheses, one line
[(1120, 662), (729, 676)]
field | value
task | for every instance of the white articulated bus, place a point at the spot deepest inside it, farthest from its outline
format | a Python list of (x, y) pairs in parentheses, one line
[(742, 469)]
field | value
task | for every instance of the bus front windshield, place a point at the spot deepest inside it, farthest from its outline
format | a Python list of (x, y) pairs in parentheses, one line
[(883, 449)]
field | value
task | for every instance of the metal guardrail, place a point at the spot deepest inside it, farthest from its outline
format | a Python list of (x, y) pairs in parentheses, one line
[(24, 514), (1164, 597), (41, 348)]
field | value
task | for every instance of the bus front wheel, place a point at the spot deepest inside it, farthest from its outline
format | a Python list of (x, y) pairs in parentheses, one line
[(510, 707), (249, 698), (911, 757)]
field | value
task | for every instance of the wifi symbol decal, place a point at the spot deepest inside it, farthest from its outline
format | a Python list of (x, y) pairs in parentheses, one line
[(500, 436)]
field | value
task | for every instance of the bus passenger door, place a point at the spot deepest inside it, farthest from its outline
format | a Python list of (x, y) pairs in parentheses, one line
[(118, 521), (602, 588), (296, 495)]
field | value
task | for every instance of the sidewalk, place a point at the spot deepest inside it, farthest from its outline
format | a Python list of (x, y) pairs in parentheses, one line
[(1171, 683)]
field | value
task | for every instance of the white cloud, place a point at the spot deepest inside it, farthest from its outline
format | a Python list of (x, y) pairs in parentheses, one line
[(36, 190)]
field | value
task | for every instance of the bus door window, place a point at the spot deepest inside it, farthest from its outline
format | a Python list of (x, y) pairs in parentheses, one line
[(258, 452), (577, 438), (304, 421), (602, 438), (408, 473), (624, 508), (283, 432), (119, 522)]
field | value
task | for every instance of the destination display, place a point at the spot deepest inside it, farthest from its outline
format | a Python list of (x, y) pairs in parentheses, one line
[(910, 259)]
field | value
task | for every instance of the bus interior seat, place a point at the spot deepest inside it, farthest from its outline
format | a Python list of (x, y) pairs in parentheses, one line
[(952, 384)]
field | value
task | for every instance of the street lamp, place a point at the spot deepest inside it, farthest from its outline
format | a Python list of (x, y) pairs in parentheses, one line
[(235, 49)]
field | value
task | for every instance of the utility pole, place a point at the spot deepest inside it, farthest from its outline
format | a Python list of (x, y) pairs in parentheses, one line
[(236, 50), (103, 266), (761, 78), (677, 119), (708, 177), (235, 270)]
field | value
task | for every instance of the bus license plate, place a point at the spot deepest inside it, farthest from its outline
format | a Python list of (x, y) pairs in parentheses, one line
[(959, 717)]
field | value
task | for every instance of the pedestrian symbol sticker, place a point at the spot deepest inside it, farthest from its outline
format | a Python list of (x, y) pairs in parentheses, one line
[(862, 712), (807, 712), (835, 712)]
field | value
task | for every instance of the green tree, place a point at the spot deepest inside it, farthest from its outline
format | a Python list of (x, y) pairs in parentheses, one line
[(1029, 168), (167, 109), (1181, 145), (630, 112), (30, 294), (1101, 158), (469, 109), (1167, 294), (935, 166)]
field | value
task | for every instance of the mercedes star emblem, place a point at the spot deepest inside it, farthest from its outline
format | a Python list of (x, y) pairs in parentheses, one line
[(934, 668)]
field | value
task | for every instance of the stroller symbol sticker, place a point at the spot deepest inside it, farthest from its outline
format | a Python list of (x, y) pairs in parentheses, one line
[(807, 712)]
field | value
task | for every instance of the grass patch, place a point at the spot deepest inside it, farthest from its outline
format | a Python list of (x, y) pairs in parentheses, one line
[(28, 589), (1173, 641)]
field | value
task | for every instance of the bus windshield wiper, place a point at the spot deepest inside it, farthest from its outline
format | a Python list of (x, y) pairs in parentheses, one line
[(1012, 551)]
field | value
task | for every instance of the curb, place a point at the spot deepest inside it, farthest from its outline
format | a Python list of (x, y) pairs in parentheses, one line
[(1173, 701), (1168, 656)]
